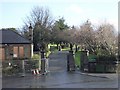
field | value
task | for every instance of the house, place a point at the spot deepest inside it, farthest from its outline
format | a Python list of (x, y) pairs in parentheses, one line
[(14, 46)]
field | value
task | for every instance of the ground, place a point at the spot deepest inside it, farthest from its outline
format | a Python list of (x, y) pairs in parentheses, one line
[(58, 77)]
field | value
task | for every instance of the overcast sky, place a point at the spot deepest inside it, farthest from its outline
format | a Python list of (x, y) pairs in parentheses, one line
[(75, 12)]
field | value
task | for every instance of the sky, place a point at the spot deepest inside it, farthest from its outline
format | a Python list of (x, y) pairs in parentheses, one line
[(75, 12)]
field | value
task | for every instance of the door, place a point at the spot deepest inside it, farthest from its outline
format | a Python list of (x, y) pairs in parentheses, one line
[(21, 52)]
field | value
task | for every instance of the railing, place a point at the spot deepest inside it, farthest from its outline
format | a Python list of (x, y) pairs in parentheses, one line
[(102, 66)]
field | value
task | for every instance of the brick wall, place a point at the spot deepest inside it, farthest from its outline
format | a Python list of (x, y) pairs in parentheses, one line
[(15, 51)]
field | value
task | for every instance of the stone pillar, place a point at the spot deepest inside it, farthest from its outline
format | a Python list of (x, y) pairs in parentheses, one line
[(23, 68), (83, 60), (42, 62), (70, 62)]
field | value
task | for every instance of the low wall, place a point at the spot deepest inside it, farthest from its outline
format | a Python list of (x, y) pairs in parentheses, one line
[(16, 66)]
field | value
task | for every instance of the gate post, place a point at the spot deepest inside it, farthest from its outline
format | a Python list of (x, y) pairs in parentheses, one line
[(43, 62), (70, 62), (23, 68), (83, 61)]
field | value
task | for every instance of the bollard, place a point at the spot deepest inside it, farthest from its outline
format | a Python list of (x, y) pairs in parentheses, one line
[(35, 72)]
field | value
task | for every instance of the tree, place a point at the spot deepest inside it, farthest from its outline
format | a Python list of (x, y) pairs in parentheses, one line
[(87, 36), (14, 29), (71, 37), (59, 31), (107, 39), (41, 21), (60, 24)]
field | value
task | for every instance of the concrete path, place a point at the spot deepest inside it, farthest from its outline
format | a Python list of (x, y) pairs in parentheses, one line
[(58, 77)]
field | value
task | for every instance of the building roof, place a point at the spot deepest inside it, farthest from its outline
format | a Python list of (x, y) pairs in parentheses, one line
[(12, 37)]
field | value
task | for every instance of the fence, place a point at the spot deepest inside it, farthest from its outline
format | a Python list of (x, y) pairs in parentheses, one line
[(96, 64), (10, 67), (102, 66)]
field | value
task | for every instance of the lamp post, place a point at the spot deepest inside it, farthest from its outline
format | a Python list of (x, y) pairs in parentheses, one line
[(31, 40)]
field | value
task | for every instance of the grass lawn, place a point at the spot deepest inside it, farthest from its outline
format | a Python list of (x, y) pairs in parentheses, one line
[(77, 58), (52, 47), (91, 57), (66, 49)]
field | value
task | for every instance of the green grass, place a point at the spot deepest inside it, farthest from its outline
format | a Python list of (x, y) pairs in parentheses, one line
[(91, 57), (77, 58), (52, 48), (52, 44), (66, 49)]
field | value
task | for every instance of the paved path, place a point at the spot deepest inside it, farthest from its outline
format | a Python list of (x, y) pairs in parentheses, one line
[(58, 77)]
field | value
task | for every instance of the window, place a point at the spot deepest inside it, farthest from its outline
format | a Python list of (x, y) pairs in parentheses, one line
[(21, 52), (15, 52), (2, 54), (26, 51)]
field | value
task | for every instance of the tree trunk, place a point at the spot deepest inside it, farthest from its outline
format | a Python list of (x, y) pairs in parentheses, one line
[(57, 46), (71, 47), (76, 48)]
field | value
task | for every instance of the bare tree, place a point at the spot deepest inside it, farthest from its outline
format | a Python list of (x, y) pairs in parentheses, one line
[(87, 36), (107, 39), (41, 21)]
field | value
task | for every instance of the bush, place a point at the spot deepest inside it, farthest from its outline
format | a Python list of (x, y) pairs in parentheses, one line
[(31, 64), (48, 53), (77, 58), (36, 57), (11, 70), (106, 58)]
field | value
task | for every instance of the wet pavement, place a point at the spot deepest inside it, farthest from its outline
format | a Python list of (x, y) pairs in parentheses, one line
[(58, 77)]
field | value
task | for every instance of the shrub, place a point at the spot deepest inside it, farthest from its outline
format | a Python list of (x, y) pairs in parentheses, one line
[(36, 57)]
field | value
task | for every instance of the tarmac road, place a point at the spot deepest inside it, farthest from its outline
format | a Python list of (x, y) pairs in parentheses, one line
[(58, 77)]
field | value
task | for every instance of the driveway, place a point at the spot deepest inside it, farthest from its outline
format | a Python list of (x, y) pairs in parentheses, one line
[(58, 77)]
